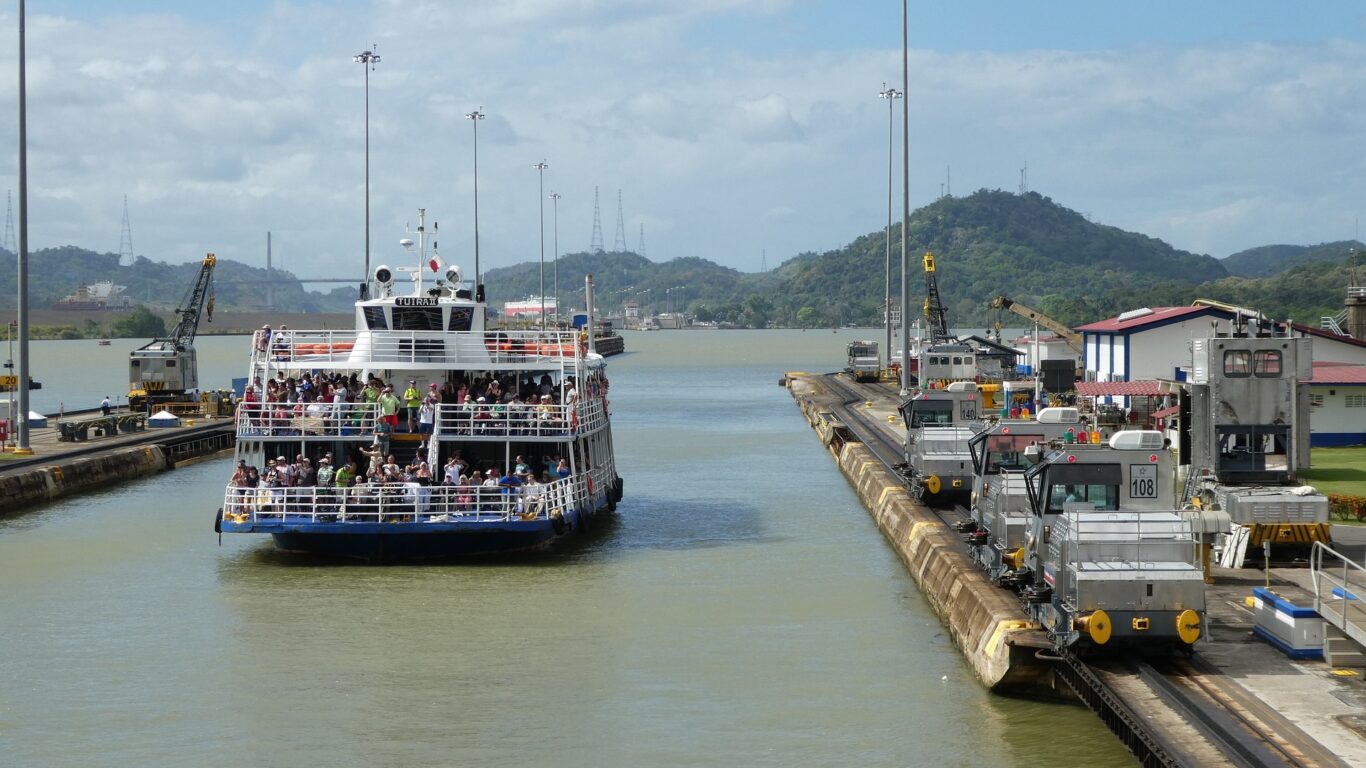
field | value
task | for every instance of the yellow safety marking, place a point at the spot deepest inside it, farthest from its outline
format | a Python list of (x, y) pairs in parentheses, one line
[(1002, 629), (887, 491), (1346, 672), (915, 527)]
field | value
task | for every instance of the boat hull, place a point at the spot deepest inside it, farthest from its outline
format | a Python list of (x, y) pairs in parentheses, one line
[(408, 542)]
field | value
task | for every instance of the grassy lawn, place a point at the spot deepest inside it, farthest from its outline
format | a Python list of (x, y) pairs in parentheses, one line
[(1338, 470)]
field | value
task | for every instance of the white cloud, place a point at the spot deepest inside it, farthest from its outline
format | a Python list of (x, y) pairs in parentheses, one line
[(218, 136)]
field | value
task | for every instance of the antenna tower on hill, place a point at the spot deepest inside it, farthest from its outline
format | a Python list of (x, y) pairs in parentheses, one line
[(620, 245), (7, 242), (596, 245), (126, 257), (763, 260), (640, 248)]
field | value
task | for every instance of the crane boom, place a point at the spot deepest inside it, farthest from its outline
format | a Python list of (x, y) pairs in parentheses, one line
[(1073, 339), (194, 303), (936, 316)]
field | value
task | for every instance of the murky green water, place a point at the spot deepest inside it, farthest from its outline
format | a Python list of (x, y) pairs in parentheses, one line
[(742, 610)]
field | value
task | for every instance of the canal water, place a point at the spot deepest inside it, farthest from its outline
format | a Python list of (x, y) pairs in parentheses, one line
[(741, 610)]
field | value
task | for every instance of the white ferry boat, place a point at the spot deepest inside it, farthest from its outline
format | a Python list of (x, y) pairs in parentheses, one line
[(539, 441)]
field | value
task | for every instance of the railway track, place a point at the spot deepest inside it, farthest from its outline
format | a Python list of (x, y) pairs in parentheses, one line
[(1238, 727)]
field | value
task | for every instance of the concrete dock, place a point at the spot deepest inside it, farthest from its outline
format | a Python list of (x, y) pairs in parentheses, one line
[(60, 468), (1300, 710)]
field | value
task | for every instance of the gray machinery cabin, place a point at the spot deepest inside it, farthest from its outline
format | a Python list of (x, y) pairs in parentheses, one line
[(1000, 508), (1112, 562), (166, 368), (1246, 436), (939, 423), (862, 361)]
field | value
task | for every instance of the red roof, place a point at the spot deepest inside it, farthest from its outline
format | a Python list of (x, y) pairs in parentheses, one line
[(1310, 330), (1165, 412), (1158, 315), (1338, 373), (1119, 388)]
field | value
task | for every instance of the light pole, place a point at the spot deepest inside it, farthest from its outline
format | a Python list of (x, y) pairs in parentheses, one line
[(555, 207), (474, 117), (21, 446), (540, 173), (368, 60), (891, 95), (905, 197)]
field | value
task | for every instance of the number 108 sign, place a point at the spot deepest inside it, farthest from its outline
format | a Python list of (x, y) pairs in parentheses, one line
[(1142, 481)]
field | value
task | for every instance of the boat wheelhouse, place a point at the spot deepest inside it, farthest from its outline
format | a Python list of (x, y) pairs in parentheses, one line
[(535, 416)]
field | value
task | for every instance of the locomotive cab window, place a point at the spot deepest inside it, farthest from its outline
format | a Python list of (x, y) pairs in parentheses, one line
[(1237, 363), (1094, 484), (1266, 363), (930, 412), (1007, 452)]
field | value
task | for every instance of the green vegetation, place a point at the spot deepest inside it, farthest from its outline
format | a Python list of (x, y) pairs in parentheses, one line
[(1338, 471), (140, 322), (989, 243), (1269, 260)]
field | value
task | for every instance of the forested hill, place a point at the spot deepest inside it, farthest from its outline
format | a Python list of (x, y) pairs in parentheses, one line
[(987, 244), (1268, 260), (1023, 246), (57, 272)]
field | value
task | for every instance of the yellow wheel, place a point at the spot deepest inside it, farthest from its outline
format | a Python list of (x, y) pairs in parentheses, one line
[(1097, 626), (932, 484), (1188, 626)]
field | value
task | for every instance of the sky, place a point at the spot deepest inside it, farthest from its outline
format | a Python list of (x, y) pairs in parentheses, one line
[(740, 131)]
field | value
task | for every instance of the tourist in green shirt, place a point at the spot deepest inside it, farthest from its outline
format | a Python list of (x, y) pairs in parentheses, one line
[(412, 399)]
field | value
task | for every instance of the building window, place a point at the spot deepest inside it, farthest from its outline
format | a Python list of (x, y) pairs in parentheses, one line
[(1237, 363), (1316, 399), (1356, 401), (1266, 363)]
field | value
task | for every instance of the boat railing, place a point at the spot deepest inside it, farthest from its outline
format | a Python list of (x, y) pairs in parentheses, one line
[(353, 348), (407, 503), (330, 420), (519, 419)]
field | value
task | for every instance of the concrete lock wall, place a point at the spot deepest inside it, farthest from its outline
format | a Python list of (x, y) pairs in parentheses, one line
[(27, 487), (984, 620)]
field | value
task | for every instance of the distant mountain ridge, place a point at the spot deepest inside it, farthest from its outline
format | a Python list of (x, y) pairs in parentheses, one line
[(1268, 260), (987, 244)]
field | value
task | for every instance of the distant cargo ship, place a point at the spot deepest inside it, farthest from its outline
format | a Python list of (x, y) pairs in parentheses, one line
[(94, 297), (530, 308)]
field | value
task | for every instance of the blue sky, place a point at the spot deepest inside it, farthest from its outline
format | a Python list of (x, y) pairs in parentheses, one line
[(732, 127)]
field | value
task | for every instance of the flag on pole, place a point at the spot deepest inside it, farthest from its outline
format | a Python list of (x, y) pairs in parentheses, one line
[(435, 262)]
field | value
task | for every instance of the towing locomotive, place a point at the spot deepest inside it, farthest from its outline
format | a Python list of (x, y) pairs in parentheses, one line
[(1108, 561), (939, 423)]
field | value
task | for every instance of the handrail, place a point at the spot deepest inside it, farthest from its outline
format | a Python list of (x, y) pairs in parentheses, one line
[(409, 502), (505, 419), (1351, 596), (336, 420), (353, 348)]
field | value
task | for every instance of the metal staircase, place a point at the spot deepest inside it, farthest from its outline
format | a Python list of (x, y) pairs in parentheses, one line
[(1334, 323), (1340, 598)]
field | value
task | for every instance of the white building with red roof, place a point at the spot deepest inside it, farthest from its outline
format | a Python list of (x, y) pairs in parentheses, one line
[(1147, 343), (1337, 398)]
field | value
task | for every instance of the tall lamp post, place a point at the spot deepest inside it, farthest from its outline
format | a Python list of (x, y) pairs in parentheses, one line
[(905, 197), (540, 173), (555, 207), (474, 117), (891, 95), (368, 60), (21, 445)]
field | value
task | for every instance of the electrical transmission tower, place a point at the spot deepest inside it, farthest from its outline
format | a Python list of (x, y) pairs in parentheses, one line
[(596, 245), (126, 257), (620, 244), (640, 248), (7, 242)]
